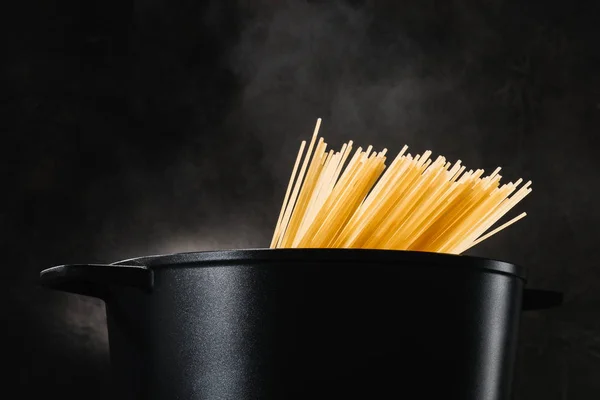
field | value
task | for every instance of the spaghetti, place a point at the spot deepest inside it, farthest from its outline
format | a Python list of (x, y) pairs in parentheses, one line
[(349, 199)]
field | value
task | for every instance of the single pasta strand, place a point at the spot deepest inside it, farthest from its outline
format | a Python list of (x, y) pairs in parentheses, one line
[(496, 171), (287, 194), (495, 231)]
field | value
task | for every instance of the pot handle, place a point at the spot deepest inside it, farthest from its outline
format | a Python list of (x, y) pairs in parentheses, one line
[(94, 279), (536, 299)]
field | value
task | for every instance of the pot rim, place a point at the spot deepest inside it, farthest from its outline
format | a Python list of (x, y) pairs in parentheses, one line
[(321, 255)]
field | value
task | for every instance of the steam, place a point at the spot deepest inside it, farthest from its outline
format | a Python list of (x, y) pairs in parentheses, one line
[(226, 168), (307, 60)]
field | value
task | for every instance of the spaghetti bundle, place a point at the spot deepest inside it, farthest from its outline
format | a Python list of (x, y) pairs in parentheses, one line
[(349, 199)]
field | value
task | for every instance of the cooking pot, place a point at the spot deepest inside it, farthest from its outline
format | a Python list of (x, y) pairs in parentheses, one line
[(308, 324)]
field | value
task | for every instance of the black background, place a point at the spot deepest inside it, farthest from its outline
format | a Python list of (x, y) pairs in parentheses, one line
[(153, 126)]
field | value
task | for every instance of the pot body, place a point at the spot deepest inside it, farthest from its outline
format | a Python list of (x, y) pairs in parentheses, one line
[(315, 325)]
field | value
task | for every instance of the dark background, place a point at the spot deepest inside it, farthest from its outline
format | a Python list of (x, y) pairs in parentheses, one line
[(154, 126)]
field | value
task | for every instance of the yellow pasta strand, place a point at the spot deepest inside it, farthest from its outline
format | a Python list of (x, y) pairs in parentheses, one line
[(417, 203)]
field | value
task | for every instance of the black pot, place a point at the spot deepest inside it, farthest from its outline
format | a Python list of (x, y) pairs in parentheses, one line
[(308, 324)]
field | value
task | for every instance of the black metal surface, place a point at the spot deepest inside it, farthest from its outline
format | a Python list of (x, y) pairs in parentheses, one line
[(319, 324), (95, 280)]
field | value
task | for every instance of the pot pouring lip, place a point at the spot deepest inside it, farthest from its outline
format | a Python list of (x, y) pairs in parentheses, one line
[(366, 257)]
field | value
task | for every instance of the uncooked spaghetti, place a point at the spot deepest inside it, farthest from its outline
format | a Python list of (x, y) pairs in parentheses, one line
[(346, 199)]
